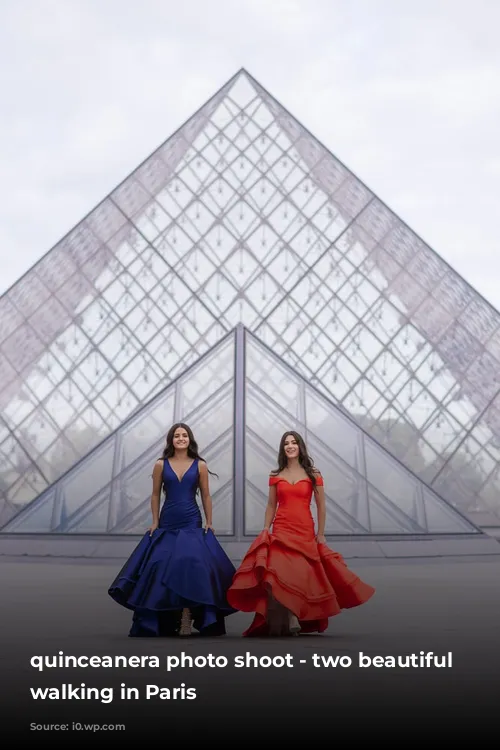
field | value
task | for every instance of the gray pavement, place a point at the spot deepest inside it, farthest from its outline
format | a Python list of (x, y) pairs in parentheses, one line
[(433, 605)]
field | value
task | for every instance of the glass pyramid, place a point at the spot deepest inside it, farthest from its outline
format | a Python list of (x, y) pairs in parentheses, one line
[(243, 216), (239, 398)]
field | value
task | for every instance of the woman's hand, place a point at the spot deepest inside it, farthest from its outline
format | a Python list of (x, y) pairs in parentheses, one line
[(209, 526), (321, 539), (153, 527)]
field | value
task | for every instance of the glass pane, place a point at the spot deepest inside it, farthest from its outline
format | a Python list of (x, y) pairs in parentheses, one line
[(132, 488), (267, 421), (206, 379), (88, 478), (339, 433), (223, 511), (93, 518), (213, 418), (260, 461), (147, 428), (38, 518), (138, 522), (440, 518), (21, 491), (490, 492), (386, 518), (271, 378), (345, 490), (393, 481)]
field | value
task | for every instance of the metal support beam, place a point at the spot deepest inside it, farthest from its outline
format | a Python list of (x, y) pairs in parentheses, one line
[(239, 433)]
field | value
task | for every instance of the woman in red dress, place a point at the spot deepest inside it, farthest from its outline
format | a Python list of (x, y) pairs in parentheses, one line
[(289, 577)]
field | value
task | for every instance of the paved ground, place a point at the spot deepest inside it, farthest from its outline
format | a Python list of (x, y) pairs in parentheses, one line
[(437, 606)]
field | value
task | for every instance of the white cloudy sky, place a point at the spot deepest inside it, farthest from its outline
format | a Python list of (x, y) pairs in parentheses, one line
[(405, 92)]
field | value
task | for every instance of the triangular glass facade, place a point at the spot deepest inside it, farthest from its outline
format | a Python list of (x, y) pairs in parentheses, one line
[(243, 216), (239, 399)]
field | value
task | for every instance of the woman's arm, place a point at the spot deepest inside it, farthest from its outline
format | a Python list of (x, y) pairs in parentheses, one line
[(206, 498), (319, 494), (155, 494), (271, 507)]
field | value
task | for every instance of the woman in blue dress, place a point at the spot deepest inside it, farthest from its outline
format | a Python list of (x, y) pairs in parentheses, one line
[(178, 575)]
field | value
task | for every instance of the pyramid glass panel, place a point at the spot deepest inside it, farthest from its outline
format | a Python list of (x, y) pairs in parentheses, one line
[(242, 216), (109, 491)]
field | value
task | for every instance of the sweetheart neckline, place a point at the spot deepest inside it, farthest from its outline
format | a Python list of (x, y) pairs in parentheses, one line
[(292, 484)]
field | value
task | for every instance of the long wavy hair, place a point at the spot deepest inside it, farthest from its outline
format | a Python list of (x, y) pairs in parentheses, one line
[(192, 451), (305, 459)]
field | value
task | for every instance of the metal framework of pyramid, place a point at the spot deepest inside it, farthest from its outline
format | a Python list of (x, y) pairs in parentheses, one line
[(243, 217)]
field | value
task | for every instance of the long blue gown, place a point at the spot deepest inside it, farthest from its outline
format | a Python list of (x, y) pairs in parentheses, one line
[(179, 565)]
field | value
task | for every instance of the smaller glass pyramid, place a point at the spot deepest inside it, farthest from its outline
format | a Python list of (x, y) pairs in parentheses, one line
[(368, 490)]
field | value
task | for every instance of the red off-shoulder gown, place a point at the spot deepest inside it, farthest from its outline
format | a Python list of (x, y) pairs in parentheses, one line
[(309, 579)]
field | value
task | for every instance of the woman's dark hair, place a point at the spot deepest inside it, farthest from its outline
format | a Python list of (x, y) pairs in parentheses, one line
[(192, 450), (304, 458)]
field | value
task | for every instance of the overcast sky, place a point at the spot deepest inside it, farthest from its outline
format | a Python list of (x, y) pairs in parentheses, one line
[(405, 92)]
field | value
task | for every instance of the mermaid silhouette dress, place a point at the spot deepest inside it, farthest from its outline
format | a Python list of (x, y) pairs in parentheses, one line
[(289, 567), (179, 565)]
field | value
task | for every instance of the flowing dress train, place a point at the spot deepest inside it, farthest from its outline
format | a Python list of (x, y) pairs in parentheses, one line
[(288, 567), (179, 566)]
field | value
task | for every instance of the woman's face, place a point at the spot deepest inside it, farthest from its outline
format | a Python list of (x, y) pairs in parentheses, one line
[(180, 439), (291, 447)]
